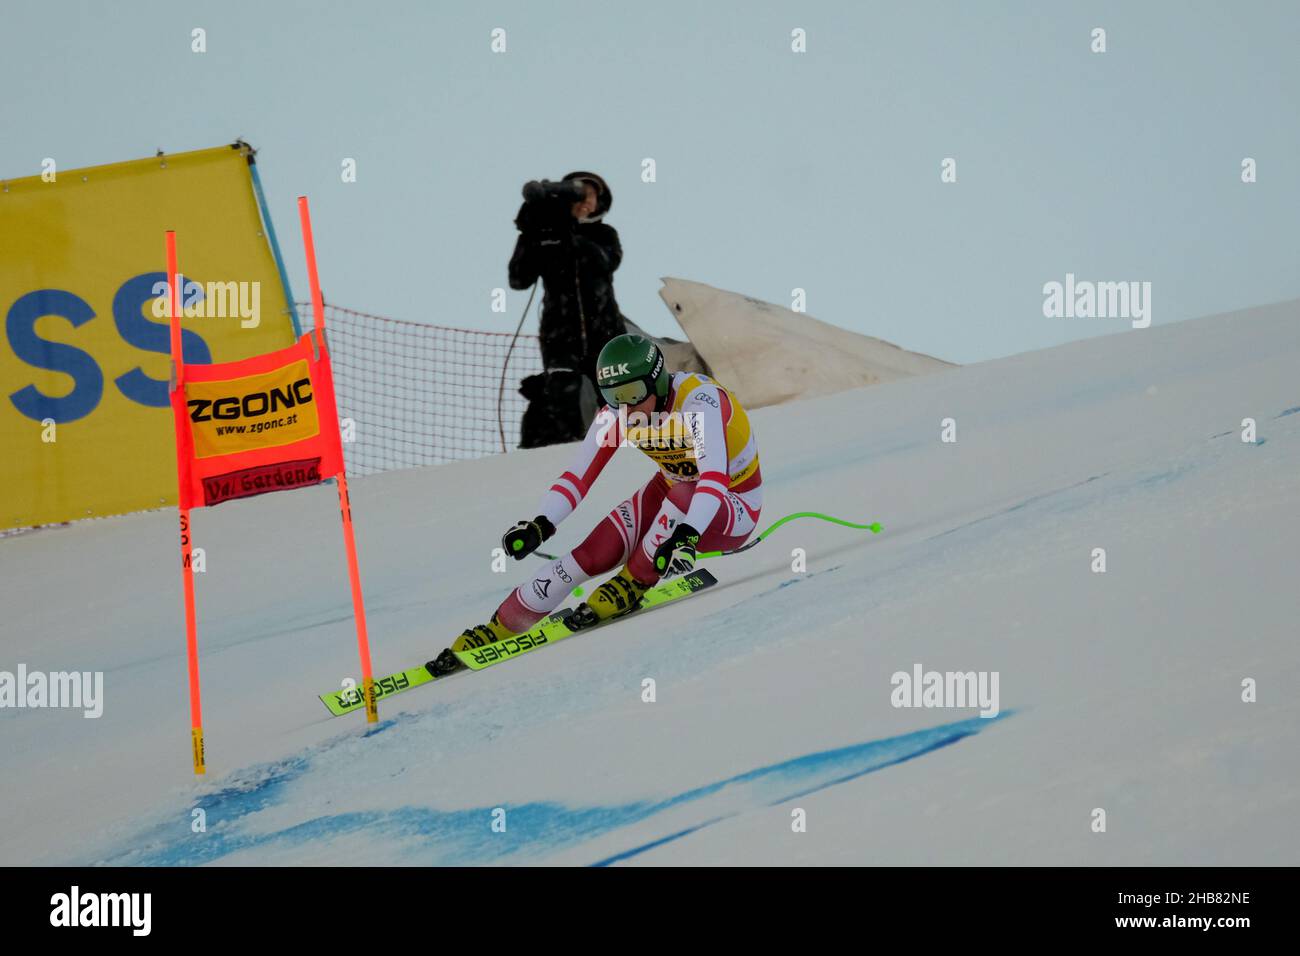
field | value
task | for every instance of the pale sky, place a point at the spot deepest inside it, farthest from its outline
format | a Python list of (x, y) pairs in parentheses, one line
[(775, 170)]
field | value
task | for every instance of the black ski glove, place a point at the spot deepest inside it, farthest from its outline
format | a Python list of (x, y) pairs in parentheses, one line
[(677, 554), (527, 536)]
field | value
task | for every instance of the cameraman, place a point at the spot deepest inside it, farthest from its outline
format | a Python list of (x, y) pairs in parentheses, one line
[(563, 241)]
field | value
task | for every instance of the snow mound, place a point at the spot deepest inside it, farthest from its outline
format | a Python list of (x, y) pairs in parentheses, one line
[(769, 354)]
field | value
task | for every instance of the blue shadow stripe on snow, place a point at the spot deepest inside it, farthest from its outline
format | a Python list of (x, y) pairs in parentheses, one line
[(425, 835), (829, 768)]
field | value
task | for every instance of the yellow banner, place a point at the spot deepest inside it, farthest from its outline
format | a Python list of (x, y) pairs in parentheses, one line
[(85, 422), (258, 411)]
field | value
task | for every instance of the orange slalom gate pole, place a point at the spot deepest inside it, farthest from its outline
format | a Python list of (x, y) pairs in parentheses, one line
[(345, 504), (358, 606), (187, 570)]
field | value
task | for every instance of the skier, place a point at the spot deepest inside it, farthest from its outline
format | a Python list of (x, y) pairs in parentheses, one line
[(706, 494)]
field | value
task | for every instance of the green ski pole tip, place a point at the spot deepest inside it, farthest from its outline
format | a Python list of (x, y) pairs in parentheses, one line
[(875, 527)]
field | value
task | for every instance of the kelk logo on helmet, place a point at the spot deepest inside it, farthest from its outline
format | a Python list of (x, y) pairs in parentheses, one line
[(612, 371)]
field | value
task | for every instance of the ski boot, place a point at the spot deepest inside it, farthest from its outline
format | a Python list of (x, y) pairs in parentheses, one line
[(448, 663), (620, 595)]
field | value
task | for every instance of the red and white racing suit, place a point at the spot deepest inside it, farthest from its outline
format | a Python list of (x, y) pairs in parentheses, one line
[(708, 477)]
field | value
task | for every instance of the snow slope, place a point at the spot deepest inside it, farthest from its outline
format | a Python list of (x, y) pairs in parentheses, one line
[(1119, 691)]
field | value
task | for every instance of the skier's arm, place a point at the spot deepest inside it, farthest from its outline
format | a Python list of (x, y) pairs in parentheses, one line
[(706, 412), (602, 440)]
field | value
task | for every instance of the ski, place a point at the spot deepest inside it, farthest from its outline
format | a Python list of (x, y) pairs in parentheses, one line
[(555, 629), (548, 631), (347, 699)]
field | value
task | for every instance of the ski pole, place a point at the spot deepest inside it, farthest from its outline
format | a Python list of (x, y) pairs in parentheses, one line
[(873, 527)]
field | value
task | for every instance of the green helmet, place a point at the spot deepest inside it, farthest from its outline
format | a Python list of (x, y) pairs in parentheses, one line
[(631, 368)]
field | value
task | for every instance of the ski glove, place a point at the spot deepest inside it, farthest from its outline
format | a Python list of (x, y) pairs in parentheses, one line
[(677, 554), (527, 536)]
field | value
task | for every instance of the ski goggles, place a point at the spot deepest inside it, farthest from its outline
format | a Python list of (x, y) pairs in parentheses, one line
[(629, 393)]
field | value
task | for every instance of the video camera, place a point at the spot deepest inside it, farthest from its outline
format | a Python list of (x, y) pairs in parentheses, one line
[(548, 206)]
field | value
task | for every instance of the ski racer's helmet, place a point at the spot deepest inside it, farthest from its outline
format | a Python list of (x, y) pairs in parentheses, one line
[(629, 369)]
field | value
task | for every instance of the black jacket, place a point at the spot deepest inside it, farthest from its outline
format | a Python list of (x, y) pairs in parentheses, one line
[(579, 311)]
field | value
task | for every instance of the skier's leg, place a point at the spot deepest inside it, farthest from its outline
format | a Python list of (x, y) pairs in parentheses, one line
[(734, 522), (742, 511), (623, 592), (534, 599), (607, 544), (605, 548), (522, 608)]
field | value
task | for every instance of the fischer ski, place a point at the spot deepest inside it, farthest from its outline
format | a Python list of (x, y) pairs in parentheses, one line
[(556, 628), (347, 699), (550, 630)]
